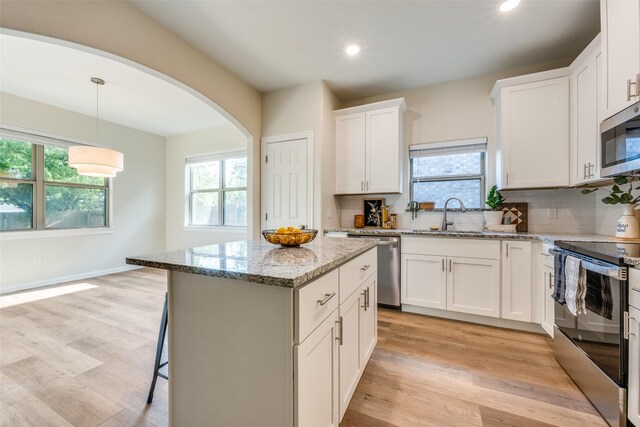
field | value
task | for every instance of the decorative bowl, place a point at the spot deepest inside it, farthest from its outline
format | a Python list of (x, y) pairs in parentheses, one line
[(289, 238)]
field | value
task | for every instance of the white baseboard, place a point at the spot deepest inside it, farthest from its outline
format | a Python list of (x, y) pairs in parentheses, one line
[(63, 279), (474, 318)]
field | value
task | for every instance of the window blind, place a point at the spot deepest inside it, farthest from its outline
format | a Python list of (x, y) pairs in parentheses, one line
[(214, 157), (36, 138), (464, 146)]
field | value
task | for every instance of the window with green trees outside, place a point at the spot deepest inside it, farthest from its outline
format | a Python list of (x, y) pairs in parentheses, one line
[(38, 190)]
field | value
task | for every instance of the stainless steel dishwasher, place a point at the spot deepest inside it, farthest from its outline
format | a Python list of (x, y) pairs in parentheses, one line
[(388, 268)]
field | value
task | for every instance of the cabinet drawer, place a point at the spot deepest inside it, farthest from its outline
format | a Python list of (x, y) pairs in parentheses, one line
[(468, 248), (314, 303), (634, 287), (355, 272)]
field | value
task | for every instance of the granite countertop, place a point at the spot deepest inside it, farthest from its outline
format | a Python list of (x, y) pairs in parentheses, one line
[(259, 261), (545, 237)]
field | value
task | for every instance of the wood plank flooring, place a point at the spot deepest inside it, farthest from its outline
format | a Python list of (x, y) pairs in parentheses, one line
[(84, 358)]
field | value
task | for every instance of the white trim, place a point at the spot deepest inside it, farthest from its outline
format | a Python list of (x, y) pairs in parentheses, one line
[(62, 279), (216, 229), (70, 232), (398, 102), (593, 48), (528, 78), (308, 135)]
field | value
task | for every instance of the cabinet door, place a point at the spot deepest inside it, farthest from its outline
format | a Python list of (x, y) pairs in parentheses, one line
[(316, 377), (349, 348), (620, 21), (368, 321), (473, 286), (546, 286), (516, 281), (350, 153), (383, 151), (423, 281), (534, 134), (585, 125), (633, 410)]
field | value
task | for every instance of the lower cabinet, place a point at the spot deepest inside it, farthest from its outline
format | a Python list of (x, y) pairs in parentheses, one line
[(516, 281), (473, 286), (547, 286), (633, 392), (317, 376), (424, 281), (358, 317)]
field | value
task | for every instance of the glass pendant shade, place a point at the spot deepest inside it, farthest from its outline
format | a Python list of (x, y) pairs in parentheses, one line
[(95, 161)]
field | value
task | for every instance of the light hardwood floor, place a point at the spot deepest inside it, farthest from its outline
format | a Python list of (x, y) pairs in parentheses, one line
[(84, 358)]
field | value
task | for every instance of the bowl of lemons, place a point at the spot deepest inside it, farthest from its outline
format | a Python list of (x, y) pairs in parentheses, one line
[(289, 236)]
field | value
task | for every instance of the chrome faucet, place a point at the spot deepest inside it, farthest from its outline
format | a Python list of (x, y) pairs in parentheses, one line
[(446, 223)]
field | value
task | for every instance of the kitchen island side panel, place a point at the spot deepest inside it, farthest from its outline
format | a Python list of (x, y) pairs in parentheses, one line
[(230, 352)]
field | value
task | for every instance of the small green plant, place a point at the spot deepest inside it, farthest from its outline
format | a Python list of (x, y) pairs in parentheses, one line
[(617, 195), (494, 199)]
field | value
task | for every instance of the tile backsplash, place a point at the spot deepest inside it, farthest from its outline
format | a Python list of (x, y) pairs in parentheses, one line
[(550, 211)]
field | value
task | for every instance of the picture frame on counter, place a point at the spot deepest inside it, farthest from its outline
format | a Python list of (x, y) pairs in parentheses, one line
[(372, 210)]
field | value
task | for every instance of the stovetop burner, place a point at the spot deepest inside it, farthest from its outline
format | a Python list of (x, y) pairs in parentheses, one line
[(612, 252)]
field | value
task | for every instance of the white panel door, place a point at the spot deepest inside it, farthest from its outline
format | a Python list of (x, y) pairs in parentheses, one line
[(350, 153), (316, 377), (383, 150), (285, 187), (473, 286), (516, 281), (349, 349), (423, 281), (620, 20), (585, 127), (535, 134), (368, 320), (634, 367)]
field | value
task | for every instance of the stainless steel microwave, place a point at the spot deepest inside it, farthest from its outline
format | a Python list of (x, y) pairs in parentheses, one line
[(620, 143)]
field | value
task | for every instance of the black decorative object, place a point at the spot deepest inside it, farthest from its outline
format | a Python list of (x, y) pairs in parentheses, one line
[(373, 212)]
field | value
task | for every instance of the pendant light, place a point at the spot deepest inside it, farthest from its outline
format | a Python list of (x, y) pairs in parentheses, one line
[(96, 161)]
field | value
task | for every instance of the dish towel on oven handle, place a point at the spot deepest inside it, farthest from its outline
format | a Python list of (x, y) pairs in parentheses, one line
[(560, 282), (575, 285)]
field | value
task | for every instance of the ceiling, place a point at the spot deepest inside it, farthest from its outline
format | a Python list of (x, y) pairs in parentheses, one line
[(60, 76), (405, 44)]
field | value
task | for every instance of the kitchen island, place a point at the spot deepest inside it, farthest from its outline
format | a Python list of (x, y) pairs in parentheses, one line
[(268, 336)]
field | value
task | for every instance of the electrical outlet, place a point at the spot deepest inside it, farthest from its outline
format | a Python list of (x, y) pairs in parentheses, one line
[(37, 263), (552, 213), (329, 213)]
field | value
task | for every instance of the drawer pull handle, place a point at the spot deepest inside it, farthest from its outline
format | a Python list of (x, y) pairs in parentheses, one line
[(339, 338), (633, 288), (326, 299), (365, 267)]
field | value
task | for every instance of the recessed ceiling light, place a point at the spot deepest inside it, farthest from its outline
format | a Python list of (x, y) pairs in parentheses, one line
[(352, 49), (508, 5)]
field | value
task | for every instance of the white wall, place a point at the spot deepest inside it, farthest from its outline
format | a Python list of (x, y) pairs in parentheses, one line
[(308, 108), (222, 138), (138, 201)]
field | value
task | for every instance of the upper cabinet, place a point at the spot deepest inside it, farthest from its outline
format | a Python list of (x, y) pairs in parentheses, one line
[(533, 130), (587, 93), (620, 23), (368, 148)]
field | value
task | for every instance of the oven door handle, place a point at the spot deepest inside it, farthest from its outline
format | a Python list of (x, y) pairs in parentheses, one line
[(605, 270)]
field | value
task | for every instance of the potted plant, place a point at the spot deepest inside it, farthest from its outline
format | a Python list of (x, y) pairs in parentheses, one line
[(627, 226), (494, 201)]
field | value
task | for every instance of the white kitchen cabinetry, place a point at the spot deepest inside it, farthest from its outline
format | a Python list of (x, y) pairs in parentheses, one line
[(473, 286), (317, 377), (368, 148), (451, 274), (533, 130), (349, 349), (633, 392), (516, 281), (586, 90), (547, 281), (424, 281), (620, 23), (368, 320)]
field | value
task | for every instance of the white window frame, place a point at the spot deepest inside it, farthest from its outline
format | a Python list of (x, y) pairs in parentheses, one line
[(38, 141), (478, 145), (222, 157)]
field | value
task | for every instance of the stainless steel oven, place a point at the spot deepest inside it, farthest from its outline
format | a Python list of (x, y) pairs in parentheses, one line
[(593, 346), (620, 142)]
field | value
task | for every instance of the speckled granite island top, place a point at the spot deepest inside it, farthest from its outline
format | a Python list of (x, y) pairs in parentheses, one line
[(259, 261)]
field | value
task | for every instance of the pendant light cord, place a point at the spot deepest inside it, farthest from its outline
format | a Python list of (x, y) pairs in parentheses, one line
[(97, 120)]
